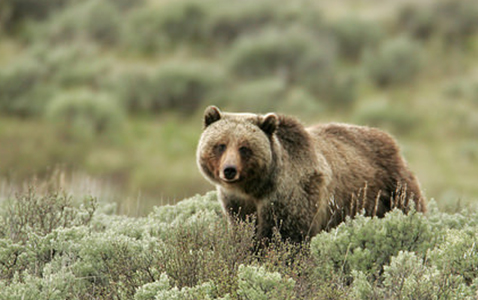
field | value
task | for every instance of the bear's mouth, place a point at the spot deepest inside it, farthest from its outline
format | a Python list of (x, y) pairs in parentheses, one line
[(229, 181)]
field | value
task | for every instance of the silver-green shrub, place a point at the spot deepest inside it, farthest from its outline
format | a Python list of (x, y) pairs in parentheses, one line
[(396, 61), (367, 244), (83, 113)]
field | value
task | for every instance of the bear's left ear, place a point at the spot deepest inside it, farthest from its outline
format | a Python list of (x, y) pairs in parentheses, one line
[(269, 123)]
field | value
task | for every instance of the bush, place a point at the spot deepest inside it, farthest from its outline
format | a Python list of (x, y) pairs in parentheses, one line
[(32, 213), (182, 86), (230, 20), (162, 290), (355, 36), (133, 87), (419, 21), (368, 244), (258, 284), (51, 248), (457, 255), (396, 118), (84, 113), (458, 20), (409, 277), (22, 91), (176, 23), (142, 32), (301, 102), (291, 55), (260, 96), (452, 21), (73, 66), (296, 57), (13, 12), (28, 83), (396, 62), (94, 20)]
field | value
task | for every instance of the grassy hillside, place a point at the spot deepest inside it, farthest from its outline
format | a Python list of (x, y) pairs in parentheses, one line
[(115, 89), (59, 246)]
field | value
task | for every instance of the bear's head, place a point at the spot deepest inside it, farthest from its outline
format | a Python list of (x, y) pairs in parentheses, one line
[(236, 150)]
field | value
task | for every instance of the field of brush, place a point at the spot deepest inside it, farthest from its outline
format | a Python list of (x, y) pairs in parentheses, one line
[(58, 246)]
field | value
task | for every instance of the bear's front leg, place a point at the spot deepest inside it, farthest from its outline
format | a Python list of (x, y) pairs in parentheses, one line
[(237, 208), (276, 218)]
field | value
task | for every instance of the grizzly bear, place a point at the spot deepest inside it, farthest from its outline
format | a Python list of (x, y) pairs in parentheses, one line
[(300, 180)]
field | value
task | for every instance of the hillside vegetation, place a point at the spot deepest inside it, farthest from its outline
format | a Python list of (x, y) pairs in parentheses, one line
[(59, 246), (115, 88)]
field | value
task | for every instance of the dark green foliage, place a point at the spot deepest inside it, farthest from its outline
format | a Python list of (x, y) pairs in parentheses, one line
[(295, 56), (133, 89), (21, 89), (15, 11), (183, 22), (142, 31), (289, 54), (453, 21), (354, 36), (395, 62), (182, 87), (171, 86), (419, 21), (233, 19), (458, 19)]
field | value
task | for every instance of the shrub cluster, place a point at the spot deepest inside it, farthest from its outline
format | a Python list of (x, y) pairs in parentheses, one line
[(54, 249), (171, 86), (355, 36), (112, 58), (28, 84), (453, 21), (85, 113), (250, 40), (296, 56), (395, 62), (98, 21)]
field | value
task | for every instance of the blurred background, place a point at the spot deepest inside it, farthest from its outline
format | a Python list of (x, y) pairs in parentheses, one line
[(107, 95)]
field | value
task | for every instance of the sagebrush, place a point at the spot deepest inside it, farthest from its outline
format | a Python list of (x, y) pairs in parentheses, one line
[(57, 246)]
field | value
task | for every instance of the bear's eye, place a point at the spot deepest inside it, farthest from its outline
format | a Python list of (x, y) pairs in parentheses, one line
[(245, 151), (220, 148)]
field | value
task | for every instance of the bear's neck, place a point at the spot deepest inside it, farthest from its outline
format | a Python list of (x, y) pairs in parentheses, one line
[(295, 142)]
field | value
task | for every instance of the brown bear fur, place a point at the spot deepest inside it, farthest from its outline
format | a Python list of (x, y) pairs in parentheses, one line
[(302, 180)]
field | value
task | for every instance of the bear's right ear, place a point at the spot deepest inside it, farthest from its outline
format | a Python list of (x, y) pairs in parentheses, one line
[(269, 123), (211, 115)]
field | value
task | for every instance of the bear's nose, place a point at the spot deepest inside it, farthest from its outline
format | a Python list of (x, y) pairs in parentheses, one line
[(230, 172)]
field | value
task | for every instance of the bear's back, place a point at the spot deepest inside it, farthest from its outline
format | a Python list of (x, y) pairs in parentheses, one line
[(367, 160)]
